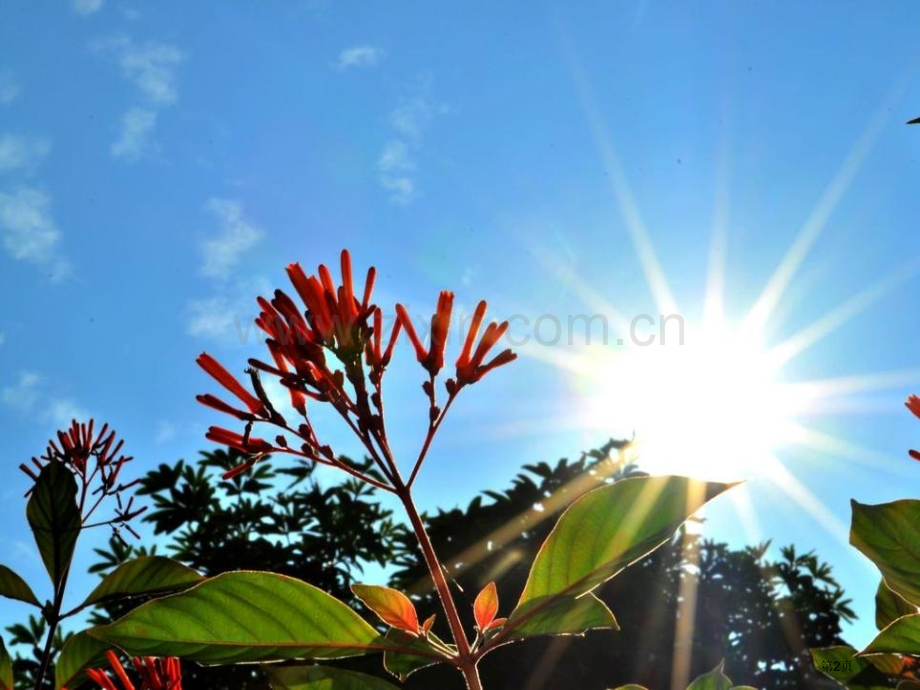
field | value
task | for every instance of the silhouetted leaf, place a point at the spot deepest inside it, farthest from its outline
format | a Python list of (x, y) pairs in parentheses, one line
[(403, 664), (13, 586), (6, 668), (54, 517)]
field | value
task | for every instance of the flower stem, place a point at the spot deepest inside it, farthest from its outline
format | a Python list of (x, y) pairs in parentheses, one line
[(466, 660)]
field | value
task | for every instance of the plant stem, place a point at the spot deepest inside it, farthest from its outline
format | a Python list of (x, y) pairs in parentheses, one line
[(466, 660), (53, 620)]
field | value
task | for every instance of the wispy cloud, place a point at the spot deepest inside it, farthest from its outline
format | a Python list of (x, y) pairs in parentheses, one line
[(360, 56), (409, 120), (21, 396), (9, 87), (227, 315), (29, 231), (31, 395), (152, 68), (87, 7), (395, 166), (134, 140), (237, 235), (24, 153)]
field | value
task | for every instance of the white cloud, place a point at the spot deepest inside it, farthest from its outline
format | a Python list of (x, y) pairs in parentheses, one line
[(29, 231), (30, 394), (22, 395), (360, 56), (63, 411), (9, 87), (134, 140), (86, 7), (22, 152), (411, 117), (409, 120), (165, 432), (394, 166), (152, 68), (237, 236)]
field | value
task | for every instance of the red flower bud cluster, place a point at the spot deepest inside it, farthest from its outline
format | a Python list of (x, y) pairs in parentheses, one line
[(96, 460), (332, 351)]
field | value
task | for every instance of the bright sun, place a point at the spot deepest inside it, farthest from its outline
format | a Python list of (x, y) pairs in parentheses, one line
[(714, 407)]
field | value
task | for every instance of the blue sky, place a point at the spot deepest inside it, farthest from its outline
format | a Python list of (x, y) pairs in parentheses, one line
[(160, 164)]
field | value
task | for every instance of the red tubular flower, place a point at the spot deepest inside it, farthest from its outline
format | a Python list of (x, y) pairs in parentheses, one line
[(228, 381), (913, 404), (242, 443), (470, 369), (154, 674), (432, 359)]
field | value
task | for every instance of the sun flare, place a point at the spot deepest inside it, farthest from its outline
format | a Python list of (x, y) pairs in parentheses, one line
[(714, 406)]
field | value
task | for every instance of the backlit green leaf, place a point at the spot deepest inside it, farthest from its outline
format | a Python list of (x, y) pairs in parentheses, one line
[(842, 664), (558, 616), (714, 680), (6, 668), (244, 616), (890, 606), (80, 652), (13, 586), (54, 517), (144, 575), (889, 534), (322, 678), (607, 529), (900, 637), (404, 664)]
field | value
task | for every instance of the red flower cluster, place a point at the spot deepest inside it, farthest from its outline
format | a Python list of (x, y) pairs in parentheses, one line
[(96, 461), (154, 674), (913, 404), (336, 322)]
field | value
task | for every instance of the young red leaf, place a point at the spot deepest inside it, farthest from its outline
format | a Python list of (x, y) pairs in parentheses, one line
[(486, 606), (394, 608), (429, 622), (497, 623)]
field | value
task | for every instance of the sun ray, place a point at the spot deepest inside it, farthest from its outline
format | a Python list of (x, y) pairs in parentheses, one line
[(817, 219), (830, 445), (713, 300), (619, 183), (834, 319)]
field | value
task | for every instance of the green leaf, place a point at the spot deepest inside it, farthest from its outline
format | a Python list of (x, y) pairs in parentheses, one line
[(890, 606), (54, 517), (558, 616), (607, 529), (900, 637), (404, 664), (714, 680), (13, 586), (322, 678), (6, 668), (244, 616), (842, 664), (889, 534), (144, 575), (80, 652), (631, 686)]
